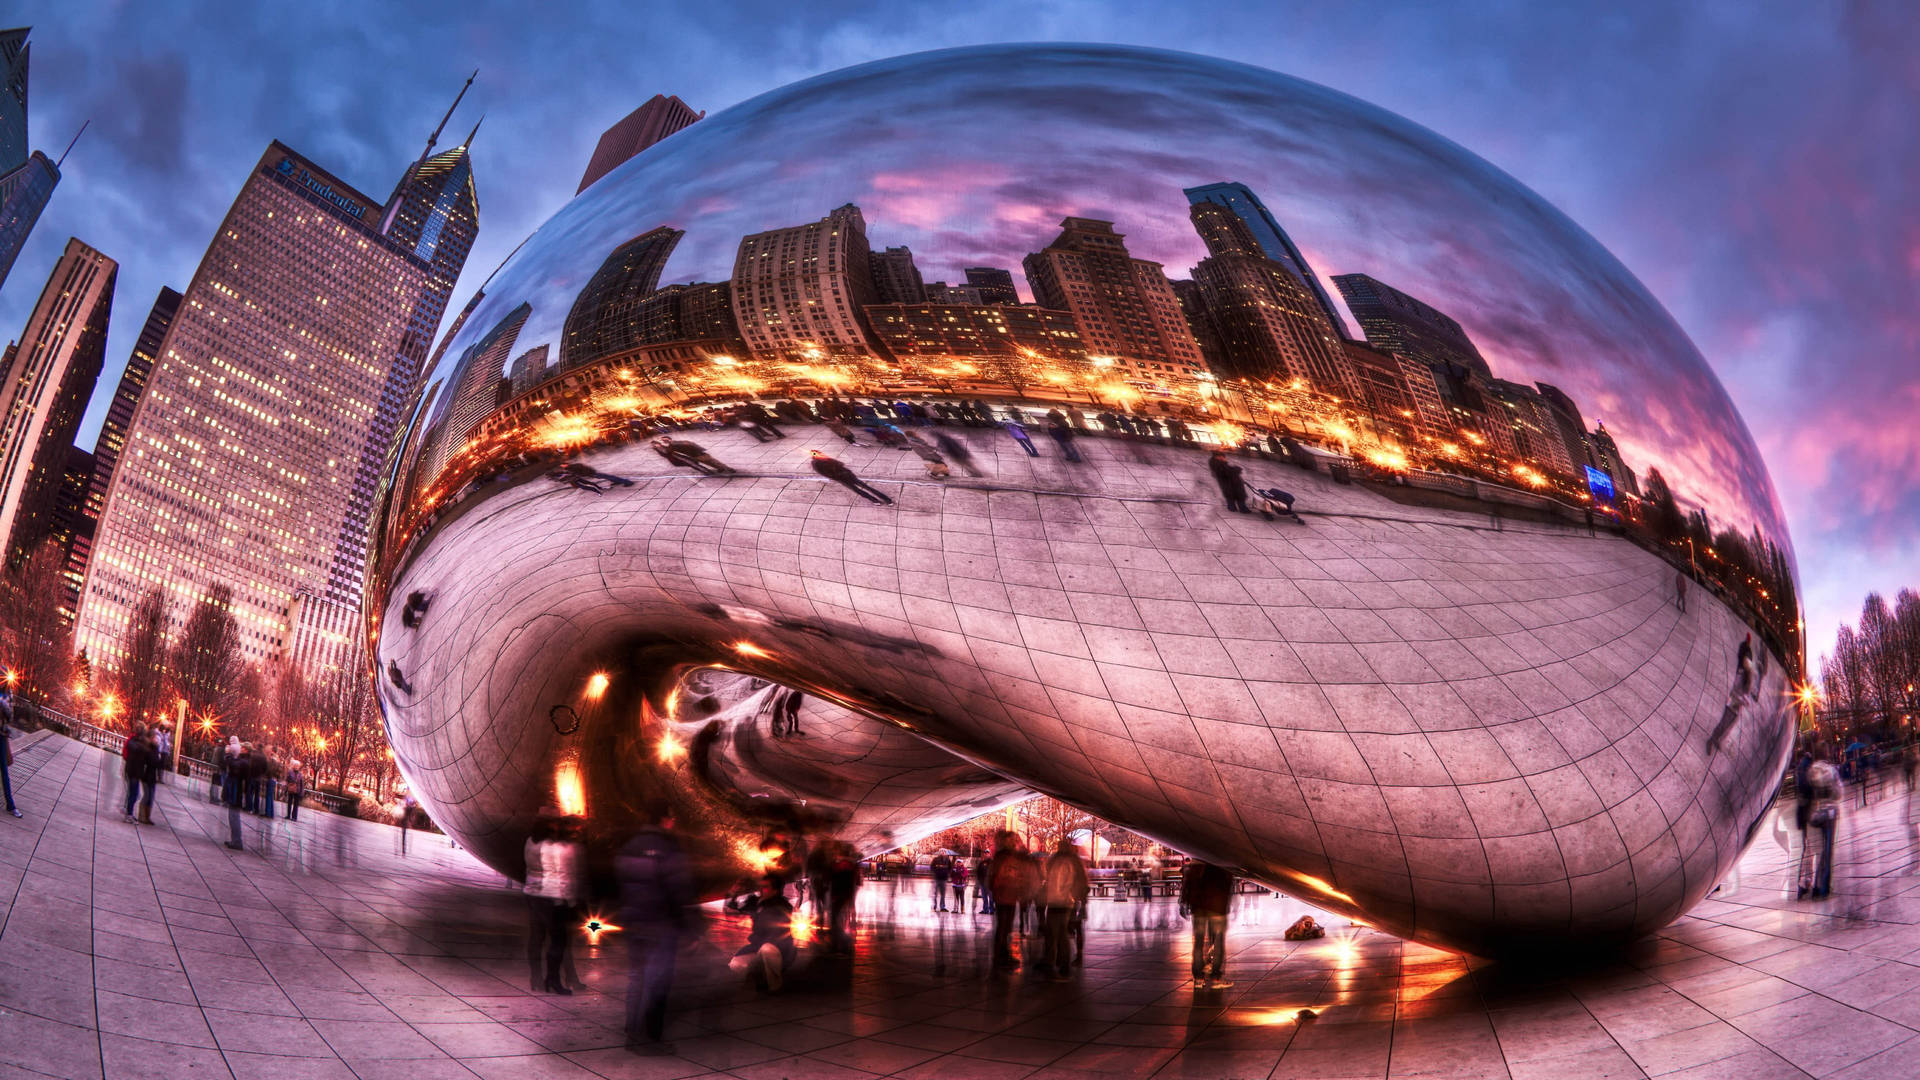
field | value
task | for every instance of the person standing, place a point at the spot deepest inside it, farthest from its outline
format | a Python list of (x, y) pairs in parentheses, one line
[(1062, 436), (407, 805), (296, 787), (1064, 888), (6, 749), (1009, 876), (1680, 590), (837, 471), (1824, 780), (1206, 895), (1019, 433), (136, 756), (956, 452), (657, 901), (790, 709), (843, 884), (234, 790), (1232, 486), (942, 867), (554, 885), (959, 882), (150, 775), (163, 746)]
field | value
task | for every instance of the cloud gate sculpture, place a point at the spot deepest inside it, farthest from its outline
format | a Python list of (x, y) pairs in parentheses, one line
[(1209, 450)]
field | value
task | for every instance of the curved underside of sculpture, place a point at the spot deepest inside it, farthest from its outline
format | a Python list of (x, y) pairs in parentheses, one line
[(1457, 724)]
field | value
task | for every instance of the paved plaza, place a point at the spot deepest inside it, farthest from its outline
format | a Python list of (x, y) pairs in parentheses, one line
[(324, 953)]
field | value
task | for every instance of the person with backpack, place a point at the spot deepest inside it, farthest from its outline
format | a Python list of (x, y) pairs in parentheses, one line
[(1823, 780), (1009, 877), (1206, 895), (942, 867), (1064, 887), (657, 908)]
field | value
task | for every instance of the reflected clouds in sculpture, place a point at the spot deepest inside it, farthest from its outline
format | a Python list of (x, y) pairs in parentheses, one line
[(1467, 699)]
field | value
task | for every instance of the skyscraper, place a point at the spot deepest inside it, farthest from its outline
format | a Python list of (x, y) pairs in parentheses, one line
[(605, 317), (1273, 240), (1396, 322), (476, 387), (895, 279), (1125, 307), (995, 284), (1606, 456), (113, 435), (26, 180), (1571, 426), (1269, 327), (252, 459), (798, 292), (47, 381), (660, 117)]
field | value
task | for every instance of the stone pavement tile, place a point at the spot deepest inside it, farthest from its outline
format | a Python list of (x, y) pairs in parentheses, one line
[(1752, 1065), (157, 1021), (1116, 1061), (1688, 1048), (1898, 1062), (1035, 1052), (360, 1040), (622, 1064), (260, 1033), (1218, 1065), (48, 1047), (1821, 1035), (800, 1068), (442, 1068), (1298, 1064), (723, 1051), (874, 1056), (537, 1067), (140, 1059), (1597, 1063), (482, 1039), (277, 1067), (954, 1067), (52, 996), (800, 1037)]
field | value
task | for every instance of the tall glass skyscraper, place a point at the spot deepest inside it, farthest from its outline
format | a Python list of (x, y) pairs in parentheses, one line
[(252, 458), (26, 179), (1273, 239)]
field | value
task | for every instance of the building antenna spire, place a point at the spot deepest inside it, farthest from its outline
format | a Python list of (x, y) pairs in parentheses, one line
[(435, 137), (476, 130), (76, 138)]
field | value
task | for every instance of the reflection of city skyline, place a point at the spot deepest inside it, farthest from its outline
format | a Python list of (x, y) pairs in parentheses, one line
[(1541, 299)]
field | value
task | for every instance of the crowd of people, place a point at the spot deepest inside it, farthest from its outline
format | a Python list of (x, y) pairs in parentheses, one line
[(249, 778)]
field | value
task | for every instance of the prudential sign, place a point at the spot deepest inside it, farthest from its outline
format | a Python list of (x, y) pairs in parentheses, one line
[(299, 175)]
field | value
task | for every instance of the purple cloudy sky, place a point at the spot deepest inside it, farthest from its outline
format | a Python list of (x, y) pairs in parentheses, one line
[(1751, 163)]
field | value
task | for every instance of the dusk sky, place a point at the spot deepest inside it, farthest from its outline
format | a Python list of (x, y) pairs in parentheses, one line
[(1751, 164)]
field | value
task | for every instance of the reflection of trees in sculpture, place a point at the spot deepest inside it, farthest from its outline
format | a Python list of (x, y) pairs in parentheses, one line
[(1871, 677), (34, 634)]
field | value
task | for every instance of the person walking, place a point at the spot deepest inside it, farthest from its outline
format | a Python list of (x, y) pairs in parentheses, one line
[(135, 755), (956, 452), (1206, 895), (1019, 433), (1680, 590), (942, 866), (657, 909), (6, 750), (1010, 877), (1828, 794), (1232, 486), (233, 791), (837, 471), (1064, 888), (555, 876), (296, 787), (1063, 437), (407, 805)]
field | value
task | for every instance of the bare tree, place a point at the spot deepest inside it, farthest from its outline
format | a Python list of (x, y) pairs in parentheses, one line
[(208, 670), (142, 678), (344, 711), (36, 640)]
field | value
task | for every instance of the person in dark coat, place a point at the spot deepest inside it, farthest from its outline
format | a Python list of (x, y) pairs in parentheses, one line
[(657, 909), (1227, 474), (1206, 895), (1010, 878), (956, 452), (843, 885), (296, 788), (837, 471), (790, 711), (137, 764), (1062, 436), (6, 749), (239, 765)]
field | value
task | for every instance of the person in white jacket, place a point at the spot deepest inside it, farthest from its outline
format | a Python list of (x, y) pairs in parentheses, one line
[(555, 886)]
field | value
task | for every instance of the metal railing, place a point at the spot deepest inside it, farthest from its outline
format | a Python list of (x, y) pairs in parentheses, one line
[(115, 742)]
